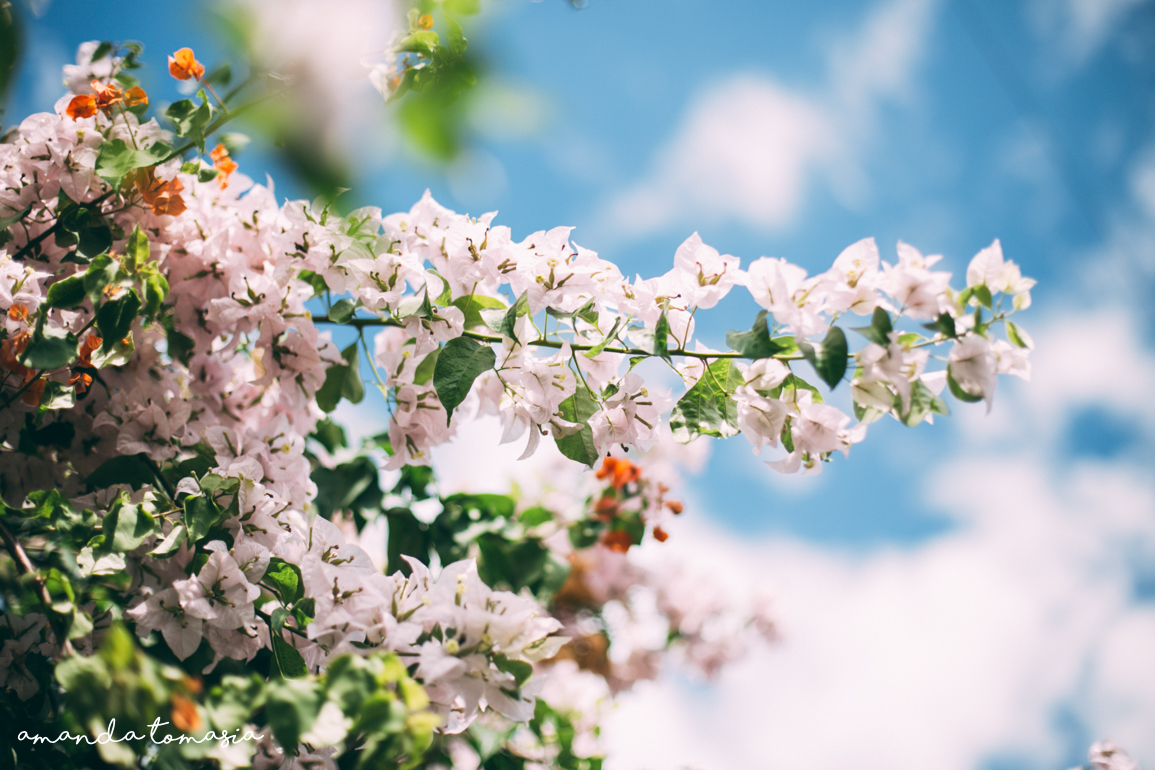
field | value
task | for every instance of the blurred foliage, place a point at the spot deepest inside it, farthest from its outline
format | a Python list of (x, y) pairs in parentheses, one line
[(10, 46)]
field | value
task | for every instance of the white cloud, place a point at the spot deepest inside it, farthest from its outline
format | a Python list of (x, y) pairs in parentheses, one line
[(1083, 26), (748, 147)]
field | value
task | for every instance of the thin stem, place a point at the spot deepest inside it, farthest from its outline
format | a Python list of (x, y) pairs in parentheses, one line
[(26, 566), (361, 323)]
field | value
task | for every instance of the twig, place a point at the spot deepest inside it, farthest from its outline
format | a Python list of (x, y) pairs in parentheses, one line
[(26, 566)]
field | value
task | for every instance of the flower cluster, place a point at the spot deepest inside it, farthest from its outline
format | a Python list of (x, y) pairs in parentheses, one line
[(162, 365)]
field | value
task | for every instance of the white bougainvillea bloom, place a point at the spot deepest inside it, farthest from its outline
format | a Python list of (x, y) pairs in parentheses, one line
[(702, 275), (974, 367), (989, 269)]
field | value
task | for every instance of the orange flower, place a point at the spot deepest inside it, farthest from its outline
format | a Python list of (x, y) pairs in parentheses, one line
[(107, 96), (183, 65), (425, 21), (82, 106), (674, 506), (135, 96), (18, 312), (9, 349), (81, 382), (622, 471), (87, 348), (660, 534), (34, 392), (162, 197), (185, 716), (618, 540), (606, 508), (223, 163)]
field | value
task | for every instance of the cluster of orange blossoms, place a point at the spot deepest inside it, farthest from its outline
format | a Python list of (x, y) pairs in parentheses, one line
[(106, 97), (163, 197), (621, 473)]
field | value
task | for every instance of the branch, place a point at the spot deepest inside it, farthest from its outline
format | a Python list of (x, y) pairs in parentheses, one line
[(361, 323), (26, 566)]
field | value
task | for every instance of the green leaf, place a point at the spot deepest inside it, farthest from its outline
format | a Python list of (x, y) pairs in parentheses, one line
[(289, 661), (509, 320), (757, 343), (342, 311), (316, 280), (49, 348), (521, 670), (579, 408), (136, 249), (661, 337), (408, 536), (424, 371), (125, 527), (923, 401), (117, 158), (535, 516), (708, 407), (472, 305), (190, 120), (57, 395), (66, 294), (117, 355), (114, 318), (585, 532), (180, 346), (287, 580), (462, 7), (957, 390), (102, 272), (330, 435), (171, 542), (1013, 334), (342, 381), (829, 358), (155, 289), (459, 364), (880, 328), (200, 514), (944, 325), (134, 470), (610, 337)]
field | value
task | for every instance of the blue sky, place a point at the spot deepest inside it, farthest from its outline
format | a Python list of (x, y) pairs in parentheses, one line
[(792, 130)]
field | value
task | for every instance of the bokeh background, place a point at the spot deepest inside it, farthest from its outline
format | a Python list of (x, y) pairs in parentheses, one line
[(979, 594)]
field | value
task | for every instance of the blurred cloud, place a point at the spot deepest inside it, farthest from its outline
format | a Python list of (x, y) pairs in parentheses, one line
[(749, 146), (1082, 26)]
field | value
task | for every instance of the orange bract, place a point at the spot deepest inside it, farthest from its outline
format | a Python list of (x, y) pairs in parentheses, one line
[(87, 348), (183, 65), (135, 96), (621, 471), (83, 106), (18, 312), (223, 163), (618, 541), (162, 197), (425, 21), (185, 716), (107, 96), (660, 534)]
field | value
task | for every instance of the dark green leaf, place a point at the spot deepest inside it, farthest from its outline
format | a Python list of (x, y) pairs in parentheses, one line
[(459, 364), (408, 536), (200, 514), (342, 381), (286, 579), (708, 407), (661, 337), (579, 408), (316, 280), (114, 318), (424, 371), (66, 294), (757, 343), (289, 661), (342, 311), (828, 358), (944, 325), (880, 328), (1014, 335), (102, 272), (134, 470), (49, 348), (509, 320), (330, 435), (521, 670)]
